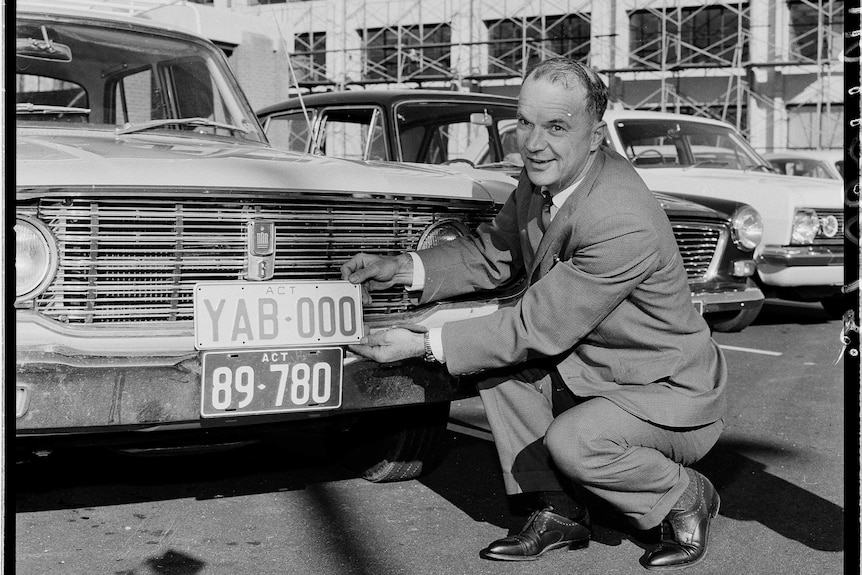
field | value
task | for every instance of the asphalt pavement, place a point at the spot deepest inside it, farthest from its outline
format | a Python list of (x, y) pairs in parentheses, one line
[(282, 508)]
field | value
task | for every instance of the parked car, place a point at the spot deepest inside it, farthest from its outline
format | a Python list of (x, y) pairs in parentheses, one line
[(800, 257), (178, 279), (716, 237), (827, 164)]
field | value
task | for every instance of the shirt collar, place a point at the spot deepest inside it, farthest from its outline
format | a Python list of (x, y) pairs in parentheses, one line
[(560, 198)]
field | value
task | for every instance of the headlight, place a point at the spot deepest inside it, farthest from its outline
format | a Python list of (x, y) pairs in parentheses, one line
[(35, 258), (747, 227), (441, 232), (805, 227)]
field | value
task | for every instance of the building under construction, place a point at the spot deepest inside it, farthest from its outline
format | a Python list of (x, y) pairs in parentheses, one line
[(773, 68)]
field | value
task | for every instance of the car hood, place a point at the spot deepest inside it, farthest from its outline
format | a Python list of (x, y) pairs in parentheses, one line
[(776, 197), (82, 158)]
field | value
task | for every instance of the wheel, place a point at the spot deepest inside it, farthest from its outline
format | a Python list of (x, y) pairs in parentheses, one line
[(836, 305), (735, 322), (396, 444), (648, 152)]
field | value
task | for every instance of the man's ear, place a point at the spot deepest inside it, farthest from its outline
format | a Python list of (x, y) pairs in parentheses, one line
[(597, 136)]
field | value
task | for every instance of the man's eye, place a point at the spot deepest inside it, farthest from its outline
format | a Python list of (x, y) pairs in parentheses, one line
[(523, 122), (556, 129)]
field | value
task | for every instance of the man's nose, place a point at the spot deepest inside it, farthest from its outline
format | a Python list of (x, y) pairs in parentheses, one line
[(535, 140)]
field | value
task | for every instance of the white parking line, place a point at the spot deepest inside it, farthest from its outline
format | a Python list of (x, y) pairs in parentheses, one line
[(750, 350), (471, 431)]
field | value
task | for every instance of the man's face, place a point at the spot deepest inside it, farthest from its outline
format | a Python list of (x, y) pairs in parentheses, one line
[(555, 133)]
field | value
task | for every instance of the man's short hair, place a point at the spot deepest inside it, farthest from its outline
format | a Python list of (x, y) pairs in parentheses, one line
[(566, 71)]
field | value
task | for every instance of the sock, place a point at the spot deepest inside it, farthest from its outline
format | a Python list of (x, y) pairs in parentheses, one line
[(564, 504), (688, 499)]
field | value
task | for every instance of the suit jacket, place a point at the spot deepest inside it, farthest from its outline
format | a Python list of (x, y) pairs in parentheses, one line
[(608, 298)]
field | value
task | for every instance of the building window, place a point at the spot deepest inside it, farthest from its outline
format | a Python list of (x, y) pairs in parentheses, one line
[(812, 26), (697, 35), (515, 45), (309, 56), (406, 53)]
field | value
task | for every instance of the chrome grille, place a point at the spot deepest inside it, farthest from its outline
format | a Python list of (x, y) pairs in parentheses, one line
[(838, 238), (134, 260), (697, 245)]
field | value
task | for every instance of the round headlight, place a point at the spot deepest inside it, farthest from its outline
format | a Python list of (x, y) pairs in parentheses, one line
[(747, 226), (805, 227), (441, 232), (35, 258), (829, 226)]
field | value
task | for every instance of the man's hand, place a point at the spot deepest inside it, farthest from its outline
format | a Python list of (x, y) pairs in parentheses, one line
[(392, 344), (378, 272)]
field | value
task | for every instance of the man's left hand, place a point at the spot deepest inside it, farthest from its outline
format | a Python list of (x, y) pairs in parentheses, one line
[(392, 344)]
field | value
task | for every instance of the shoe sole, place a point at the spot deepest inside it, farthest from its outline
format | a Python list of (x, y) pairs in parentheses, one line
[(713, 513), (572, 546)]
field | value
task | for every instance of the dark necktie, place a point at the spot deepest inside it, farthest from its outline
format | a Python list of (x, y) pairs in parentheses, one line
[(546, 209)]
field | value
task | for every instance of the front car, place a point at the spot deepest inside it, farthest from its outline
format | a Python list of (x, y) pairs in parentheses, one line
[(175, 272), (801, 256)]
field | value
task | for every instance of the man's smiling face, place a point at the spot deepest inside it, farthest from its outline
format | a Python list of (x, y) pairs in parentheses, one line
[(555, 132)]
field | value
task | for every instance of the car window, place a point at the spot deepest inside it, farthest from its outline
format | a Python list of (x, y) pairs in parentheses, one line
[(289, 131), (802, 167), (650, 143), (435, 132), (116, 77), (355, 133)]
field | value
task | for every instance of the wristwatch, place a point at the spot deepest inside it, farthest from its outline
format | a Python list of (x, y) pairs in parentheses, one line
[(429, 355)]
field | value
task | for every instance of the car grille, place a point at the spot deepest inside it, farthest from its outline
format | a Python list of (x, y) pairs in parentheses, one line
[(838, 238), (697, 244), (137, 260), (134, 260)]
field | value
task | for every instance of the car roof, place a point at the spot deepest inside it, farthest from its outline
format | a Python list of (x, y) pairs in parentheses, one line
[(386, 98), (49, 9), (611, 115)]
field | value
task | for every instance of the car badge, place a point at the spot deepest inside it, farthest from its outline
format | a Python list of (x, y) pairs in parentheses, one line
[(261, 249), (829, 226)]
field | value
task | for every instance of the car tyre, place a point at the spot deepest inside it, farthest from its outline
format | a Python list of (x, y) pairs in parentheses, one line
[(736, 322), (397, 444)]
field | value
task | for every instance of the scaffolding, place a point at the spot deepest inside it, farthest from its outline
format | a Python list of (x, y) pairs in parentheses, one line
[(770, 67)]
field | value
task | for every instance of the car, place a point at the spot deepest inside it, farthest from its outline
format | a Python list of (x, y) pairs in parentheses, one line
[(800, 257), (466, 130), (177, 278), (827, 164)]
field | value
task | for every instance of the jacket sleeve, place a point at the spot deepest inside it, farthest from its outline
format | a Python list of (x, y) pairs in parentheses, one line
[(610, 259), (484, 261)]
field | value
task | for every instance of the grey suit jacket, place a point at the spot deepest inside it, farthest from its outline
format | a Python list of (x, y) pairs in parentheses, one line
[(608, 299)]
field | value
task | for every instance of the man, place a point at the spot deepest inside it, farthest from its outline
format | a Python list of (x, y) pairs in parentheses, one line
[(606, 325)]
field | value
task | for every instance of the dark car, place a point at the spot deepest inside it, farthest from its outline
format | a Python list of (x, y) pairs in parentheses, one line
[(716, 237)]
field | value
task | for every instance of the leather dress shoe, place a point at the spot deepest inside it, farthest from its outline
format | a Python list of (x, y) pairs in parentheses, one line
[(544, 531), (684, 532)]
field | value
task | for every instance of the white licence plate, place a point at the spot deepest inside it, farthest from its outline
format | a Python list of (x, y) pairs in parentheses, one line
[(236, 315), (256, 382)]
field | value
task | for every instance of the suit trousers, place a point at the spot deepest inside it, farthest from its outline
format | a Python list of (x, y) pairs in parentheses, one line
[(636, 466)]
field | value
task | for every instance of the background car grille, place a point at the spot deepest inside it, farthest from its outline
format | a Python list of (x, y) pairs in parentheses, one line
[(137, 260), (838, 238), (133, 260), (697, 243)]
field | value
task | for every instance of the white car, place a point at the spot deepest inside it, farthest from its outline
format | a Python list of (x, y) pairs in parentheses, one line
[(828, 164), (801, 256)]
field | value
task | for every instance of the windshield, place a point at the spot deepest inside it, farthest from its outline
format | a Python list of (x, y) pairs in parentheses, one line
[(662, 143), (92, 75)]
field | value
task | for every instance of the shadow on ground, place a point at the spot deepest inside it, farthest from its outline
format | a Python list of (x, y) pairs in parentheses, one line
[(470, 479)]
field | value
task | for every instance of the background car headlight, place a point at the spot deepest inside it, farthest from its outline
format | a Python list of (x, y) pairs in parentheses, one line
[(805, 227), (35, 258), (441, 232), (747, 226)]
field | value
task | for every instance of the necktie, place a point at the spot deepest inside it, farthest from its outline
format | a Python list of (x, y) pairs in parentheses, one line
[(546, 209)]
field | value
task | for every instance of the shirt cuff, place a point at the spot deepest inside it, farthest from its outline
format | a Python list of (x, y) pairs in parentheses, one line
[(435, 338), (418, 273)]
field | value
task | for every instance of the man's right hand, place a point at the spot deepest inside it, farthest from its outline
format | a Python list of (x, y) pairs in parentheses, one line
[(378, 272)]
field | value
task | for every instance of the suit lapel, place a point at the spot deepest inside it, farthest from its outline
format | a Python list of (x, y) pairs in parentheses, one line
[(549, 244)]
